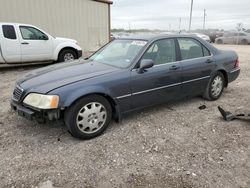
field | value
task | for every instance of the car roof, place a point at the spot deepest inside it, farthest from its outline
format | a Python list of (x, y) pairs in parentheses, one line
[(13, 23), (152, 37)]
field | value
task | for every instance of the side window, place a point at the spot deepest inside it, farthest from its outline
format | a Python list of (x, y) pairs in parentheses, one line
[(162, 51), (190, 48), (206, 51), (9, 32), (31, 33)]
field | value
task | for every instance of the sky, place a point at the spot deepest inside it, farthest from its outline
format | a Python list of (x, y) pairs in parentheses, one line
[(165, 14)]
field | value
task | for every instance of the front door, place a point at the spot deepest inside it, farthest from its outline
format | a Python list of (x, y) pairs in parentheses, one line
[(35, 45), (161, 82)]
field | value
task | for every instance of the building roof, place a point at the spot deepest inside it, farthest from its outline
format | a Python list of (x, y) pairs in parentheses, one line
[(104, 1)]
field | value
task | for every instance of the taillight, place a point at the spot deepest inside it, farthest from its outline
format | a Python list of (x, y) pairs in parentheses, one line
[(237, 63)]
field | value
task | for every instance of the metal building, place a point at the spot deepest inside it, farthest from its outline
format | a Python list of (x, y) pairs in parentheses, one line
[(87, 21)]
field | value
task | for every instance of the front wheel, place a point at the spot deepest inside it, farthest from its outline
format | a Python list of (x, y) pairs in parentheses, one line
[(215, 87), (88, 117), (67, 55)]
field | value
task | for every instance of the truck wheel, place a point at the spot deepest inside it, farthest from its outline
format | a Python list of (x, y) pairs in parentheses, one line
[(88, 117), (215, 87), (67, 55)]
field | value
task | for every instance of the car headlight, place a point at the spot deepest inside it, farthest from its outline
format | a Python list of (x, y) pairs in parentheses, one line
[(42, 101)]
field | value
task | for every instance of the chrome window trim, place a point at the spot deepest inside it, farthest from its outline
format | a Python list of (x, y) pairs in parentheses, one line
[(159, 65), (179, 61), (170, 63), (197, 58)]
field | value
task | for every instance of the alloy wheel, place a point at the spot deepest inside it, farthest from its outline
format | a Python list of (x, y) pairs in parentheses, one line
[(91, 117), (217, 86), (68, 57)]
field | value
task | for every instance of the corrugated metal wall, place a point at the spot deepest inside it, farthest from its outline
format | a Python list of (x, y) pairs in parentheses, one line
[(86, 21)]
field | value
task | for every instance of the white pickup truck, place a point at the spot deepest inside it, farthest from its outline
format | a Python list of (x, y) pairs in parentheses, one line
[(22, 43)]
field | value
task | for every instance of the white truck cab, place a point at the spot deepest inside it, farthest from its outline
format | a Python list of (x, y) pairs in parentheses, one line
[(23, 43)]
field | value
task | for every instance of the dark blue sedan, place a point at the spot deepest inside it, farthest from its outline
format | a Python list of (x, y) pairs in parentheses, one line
[(125, 75)]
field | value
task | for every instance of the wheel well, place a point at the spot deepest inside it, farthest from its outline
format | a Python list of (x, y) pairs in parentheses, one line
[(225, 76), (113, 104), (67, 48)]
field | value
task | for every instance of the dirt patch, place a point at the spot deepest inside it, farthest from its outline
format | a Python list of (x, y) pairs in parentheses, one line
[(176, 145)]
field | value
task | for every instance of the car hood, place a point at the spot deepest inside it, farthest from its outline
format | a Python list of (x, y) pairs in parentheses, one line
[(60, 39), (52, 77)]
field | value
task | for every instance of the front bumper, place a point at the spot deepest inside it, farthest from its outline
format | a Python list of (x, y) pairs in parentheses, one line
[(33, 114)]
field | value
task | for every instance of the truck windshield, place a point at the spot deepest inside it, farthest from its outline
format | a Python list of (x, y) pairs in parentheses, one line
[(119, 53)]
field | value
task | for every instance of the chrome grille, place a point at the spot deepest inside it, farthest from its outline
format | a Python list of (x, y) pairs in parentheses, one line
[(18, 91)]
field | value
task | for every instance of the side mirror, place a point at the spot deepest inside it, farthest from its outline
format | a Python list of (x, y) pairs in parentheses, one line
[(145, 64)]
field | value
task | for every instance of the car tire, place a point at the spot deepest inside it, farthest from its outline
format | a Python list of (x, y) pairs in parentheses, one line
[(67, 55), (88, 117), (215, 87), (244, 42), (219, 41)]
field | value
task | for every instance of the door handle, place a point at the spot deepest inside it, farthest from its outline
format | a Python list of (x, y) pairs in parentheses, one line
[(25, 43), (209, 61), (174, 67)]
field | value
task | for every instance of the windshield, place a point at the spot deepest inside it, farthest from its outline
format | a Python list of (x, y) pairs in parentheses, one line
[(119, 53)]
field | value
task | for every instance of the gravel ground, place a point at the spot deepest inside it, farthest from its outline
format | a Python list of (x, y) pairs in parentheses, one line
[(175, 145)]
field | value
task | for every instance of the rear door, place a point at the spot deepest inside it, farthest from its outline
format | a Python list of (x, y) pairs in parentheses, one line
[(10, 44), (35, 45), (197, 65), (161, 82)]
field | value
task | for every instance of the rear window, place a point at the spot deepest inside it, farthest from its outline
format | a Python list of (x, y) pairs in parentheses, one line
[(191, 49), (9, 32)]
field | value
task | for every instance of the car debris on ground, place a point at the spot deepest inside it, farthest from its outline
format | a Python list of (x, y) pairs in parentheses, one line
[(228, 116)]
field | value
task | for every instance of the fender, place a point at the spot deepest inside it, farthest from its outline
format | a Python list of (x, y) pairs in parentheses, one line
[(64, 45), (79, 93), (224, 72)]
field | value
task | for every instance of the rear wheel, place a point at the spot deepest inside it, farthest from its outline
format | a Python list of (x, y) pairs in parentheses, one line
[(67, 55), (88, 117), (215, 87)]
